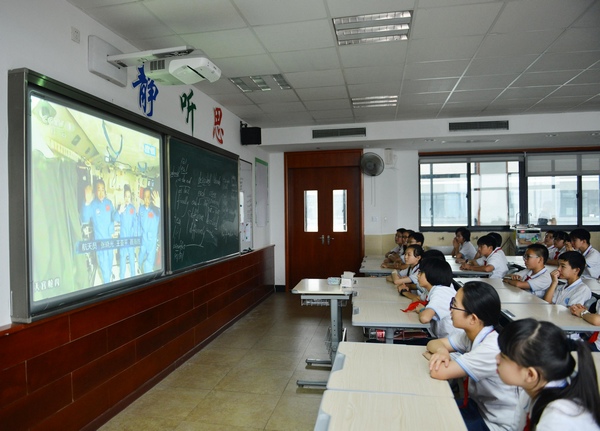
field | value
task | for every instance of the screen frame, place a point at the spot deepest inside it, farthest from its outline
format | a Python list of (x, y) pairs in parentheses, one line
[(21, 83)]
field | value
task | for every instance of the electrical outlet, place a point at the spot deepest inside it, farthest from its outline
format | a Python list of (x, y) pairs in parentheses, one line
[(75, 35)]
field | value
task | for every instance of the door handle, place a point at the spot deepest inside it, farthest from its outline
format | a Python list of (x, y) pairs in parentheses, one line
[(329, 239), (322, 238)]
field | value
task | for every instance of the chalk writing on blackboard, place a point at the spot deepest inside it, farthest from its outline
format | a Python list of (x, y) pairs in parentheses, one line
[(204, 206)]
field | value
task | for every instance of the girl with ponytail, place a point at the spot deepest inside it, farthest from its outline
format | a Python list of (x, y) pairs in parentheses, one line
[(563, 393)]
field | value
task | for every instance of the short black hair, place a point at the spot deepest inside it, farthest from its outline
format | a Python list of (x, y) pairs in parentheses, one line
[(575, 260), (401, 230), (561, 235), (497, 237), (481, 299), (580, 233), (418, 236), (466, 233), (434, 254), (488, 240), (437, 271), (539, 250)]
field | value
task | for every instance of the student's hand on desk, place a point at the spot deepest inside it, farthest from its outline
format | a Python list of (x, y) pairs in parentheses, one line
[(577, 309), (465, 266), (427, 354), (459, 260), (402, 288), (442, 356)]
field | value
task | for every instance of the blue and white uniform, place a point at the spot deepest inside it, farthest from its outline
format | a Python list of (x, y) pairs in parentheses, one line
[(538, 283), (467, 250), (149, 219), (128, 220), (439, 298), (592, 263), (576, 293), (498, 260)]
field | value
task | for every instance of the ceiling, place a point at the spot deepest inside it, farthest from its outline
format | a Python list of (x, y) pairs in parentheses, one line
[(464, 58)]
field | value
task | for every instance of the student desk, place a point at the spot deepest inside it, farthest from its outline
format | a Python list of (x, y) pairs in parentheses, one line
[(457, 272), (593, 284), (353, 410), (388, 315), (557, 314), (371, 266), (318, 292), (390, 368), (508, 294)]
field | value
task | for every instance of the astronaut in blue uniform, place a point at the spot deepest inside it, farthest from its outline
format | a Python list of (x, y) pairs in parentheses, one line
[(100, 212), (149, 219), (128, 220)]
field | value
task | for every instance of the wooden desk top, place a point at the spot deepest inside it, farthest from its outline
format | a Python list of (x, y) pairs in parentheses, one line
[(392, 368), (557, 314), (349, 410), (374, 314)]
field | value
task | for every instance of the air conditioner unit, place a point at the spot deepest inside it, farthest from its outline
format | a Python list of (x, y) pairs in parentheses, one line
[(184, 70)]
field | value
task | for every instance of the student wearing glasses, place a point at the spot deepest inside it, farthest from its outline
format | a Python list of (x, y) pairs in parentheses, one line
[(535, 278), (570, 267), (492, 405)]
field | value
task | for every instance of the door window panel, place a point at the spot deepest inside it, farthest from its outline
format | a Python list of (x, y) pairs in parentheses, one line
[(311, 211), (339, 211)]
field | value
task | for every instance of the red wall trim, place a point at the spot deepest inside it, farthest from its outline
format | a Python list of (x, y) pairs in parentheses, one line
[(78, 369)]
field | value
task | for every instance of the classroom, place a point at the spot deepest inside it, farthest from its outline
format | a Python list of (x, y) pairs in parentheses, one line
[(507, 96)]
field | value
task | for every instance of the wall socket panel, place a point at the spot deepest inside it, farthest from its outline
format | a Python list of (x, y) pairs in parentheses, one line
[(75, 35)]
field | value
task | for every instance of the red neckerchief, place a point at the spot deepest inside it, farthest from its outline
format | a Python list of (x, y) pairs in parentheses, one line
[(413, 305)]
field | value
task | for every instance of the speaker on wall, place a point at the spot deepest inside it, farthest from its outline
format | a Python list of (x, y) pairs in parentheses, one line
[(250, 135)]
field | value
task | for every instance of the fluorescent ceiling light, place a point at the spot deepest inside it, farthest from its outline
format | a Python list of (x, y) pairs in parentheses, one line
[(252, 83), (374, 101), (380, 27)]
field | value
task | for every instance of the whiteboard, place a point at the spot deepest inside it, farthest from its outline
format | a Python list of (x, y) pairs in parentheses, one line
[(262, 192), (246, 206)]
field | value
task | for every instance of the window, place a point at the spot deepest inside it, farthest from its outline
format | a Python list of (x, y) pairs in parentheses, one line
[(339, 211), (500, 191), (311, 211)]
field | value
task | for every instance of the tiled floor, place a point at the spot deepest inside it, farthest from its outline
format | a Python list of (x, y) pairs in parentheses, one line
[(246, 378)]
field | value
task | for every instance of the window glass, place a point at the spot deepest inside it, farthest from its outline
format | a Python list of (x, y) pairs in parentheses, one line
[(590, 186), (552, 200), (494, 193), (444, 194), (311, 211), (339, 211)]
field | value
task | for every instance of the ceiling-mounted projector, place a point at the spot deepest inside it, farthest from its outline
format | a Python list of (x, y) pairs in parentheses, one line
[(188, 70), (181, 65)]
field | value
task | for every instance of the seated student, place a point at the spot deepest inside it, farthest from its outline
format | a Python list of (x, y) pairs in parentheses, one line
[(421, 293), (463, 248), (399, 248), (560, 246), (536, 356), (571, 265), (397, 261), (413, 238), (497, 237), (535, 278), (580, 240), (435, 276), (580, 310), (492, 260), (412, 255), (492, 405), (549, 240)]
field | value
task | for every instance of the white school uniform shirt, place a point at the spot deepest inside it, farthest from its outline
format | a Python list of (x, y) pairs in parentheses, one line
[(497, 402), (467, 250), (538, 283), (556, 252), (497, 258), (551, 250), (562, 415), (592, 263), (439, 301), (576, 293)]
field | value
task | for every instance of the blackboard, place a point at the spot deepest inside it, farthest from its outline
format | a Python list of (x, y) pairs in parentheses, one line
[(203, 205)]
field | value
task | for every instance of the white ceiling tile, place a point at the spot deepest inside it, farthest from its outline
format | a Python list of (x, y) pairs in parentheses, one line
[(466, 20), (553, 61), (478, 95), (517, 44), (441, 3), (337, 113), (341, 8), (226, 43), (591, 17), (545, 78), (381, 89), (485, 82), (321, 78), (428, 85), (424, 98), (516, 103), (296, 36), (373, 54), (589, 90), (304, 61), (246, 66), (452, 48), (131, 19), (500, 65), (222, 86), (527, 92), (578, 39), (232, 99), (264, 97), (435, 69), (565, 102), (591, 76), (322, 105), (273, 108), (262, 12), (366, 75), (322, 93), (192, 16), (539, 15)]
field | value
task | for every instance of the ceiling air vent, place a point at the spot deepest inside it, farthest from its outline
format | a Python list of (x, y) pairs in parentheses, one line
[(478, 125), (339, 133)]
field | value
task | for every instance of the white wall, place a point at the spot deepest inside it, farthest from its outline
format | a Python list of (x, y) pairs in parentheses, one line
[(37, 35)]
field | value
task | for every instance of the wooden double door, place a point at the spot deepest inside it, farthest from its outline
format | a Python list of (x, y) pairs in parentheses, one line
[(324, 224)]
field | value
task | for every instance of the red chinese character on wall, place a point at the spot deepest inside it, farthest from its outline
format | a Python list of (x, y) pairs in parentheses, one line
[(218, 131)]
